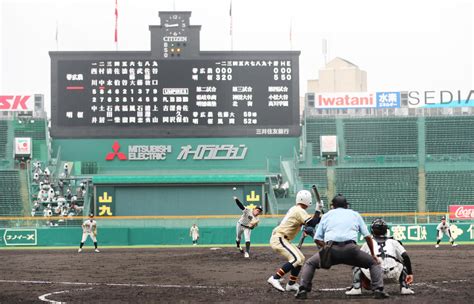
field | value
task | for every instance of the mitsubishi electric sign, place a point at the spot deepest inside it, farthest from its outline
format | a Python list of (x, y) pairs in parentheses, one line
[(161, 152)]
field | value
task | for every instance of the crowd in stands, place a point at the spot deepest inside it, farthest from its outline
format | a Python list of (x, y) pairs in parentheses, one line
[(53, 197), (281, 188)]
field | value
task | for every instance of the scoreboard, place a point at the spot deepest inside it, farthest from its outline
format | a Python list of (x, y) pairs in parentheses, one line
[(210, 94)]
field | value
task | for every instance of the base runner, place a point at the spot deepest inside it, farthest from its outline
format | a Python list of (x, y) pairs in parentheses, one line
[(89, 228)]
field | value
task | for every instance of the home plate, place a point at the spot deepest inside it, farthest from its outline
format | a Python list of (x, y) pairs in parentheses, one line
[(215, 248)]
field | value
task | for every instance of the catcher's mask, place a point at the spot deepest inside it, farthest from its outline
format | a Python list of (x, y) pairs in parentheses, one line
[(379, 227), (339, 201)]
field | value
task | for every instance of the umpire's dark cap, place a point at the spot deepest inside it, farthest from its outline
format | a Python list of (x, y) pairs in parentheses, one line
[(339, 201)]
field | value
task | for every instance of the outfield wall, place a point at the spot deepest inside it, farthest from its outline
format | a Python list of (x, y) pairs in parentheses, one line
[(137, 236)]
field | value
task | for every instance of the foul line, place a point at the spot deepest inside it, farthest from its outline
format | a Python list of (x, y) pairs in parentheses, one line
[(113, 284), (44, 299)]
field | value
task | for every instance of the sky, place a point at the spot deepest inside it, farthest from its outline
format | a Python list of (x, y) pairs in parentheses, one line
[(401, 44)]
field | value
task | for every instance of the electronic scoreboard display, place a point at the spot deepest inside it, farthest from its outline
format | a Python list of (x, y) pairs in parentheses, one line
[(176, 98), (174, 90)]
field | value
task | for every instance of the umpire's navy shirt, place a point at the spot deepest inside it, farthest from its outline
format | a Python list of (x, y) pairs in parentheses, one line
[(340, 225)]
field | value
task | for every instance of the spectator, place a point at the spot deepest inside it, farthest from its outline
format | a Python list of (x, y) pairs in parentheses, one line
[(68, 194), (61, 186), (51, 194), (66, 170)]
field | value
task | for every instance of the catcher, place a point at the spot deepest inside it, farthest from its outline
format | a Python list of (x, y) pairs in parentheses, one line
[(248, 221), (394, 260), (89, 228)]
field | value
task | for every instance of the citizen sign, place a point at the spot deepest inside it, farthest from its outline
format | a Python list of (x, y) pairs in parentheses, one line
[(461, 212)]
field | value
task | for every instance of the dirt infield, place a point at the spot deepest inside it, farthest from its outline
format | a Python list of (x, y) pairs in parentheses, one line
[(199, 274)]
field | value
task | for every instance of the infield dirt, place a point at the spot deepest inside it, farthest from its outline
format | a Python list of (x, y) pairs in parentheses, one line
[(200, 274)]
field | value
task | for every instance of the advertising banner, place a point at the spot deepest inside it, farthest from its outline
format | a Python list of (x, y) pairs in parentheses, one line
[(16, 103), (357, 100), (22, 146), (440, 98), (461, 212)]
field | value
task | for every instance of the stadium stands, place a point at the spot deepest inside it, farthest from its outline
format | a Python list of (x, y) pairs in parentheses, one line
[(379, 189), (317, 127), (10, 198), (376, 136), (36, 129), (444, 188), (449, 136), (3, 138)]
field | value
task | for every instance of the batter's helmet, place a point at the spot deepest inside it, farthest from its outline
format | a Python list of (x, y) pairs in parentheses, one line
[(379, 227), (259, 208), (303, 197), (339, 201)]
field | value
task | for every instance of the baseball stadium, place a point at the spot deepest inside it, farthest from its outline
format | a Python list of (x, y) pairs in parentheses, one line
[(151, 142)]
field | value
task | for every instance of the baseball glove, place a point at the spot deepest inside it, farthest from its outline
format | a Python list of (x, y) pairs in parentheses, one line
[(253, 224)]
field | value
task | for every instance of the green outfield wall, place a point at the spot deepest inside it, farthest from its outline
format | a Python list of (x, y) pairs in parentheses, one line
[(136, 236), (166, 155)]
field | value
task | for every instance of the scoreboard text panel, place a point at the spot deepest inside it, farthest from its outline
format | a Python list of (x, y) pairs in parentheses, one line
[(176, 98)]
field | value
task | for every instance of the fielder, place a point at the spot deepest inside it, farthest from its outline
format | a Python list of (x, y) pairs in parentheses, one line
[(396, 264), (444, 228), (194, 234), (282, 235), (248, 221), (89, 228)]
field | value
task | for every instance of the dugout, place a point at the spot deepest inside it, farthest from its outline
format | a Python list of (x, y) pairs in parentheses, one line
[(176, 195)]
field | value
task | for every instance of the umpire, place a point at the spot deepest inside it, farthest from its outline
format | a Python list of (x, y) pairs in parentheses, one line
[(337, 234)]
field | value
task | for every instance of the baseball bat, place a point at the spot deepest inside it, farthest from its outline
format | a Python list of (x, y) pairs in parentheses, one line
[(303, 236), (318, 197)]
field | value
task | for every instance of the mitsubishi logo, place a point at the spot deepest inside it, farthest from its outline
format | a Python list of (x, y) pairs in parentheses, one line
[(116, 148)]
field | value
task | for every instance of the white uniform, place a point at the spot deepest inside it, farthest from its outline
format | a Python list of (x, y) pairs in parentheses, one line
[(444, 229), (389, 253), (194, 233), (88, 229), (243, 224)]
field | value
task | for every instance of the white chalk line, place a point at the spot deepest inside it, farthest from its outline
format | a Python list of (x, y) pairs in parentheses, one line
[(113, 284), (44, 299), (219, 288)]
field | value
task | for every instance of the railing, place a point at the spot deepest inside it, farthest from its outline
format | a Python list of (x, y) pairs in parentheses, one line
[(208, 220)]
